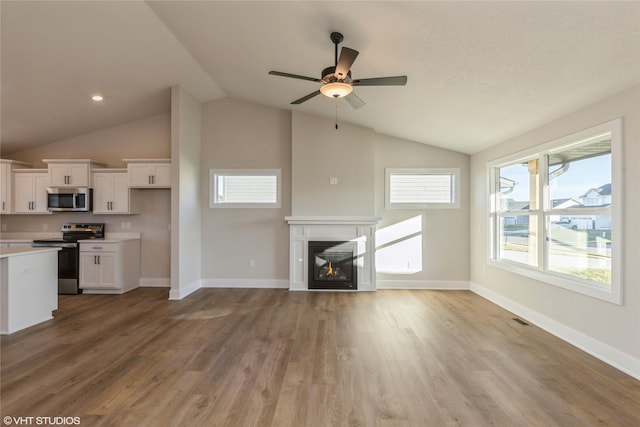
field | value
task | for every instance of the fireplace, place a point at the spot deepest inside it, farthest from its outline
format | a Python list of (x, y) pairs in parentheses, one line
[(332, 265), (357, 233)]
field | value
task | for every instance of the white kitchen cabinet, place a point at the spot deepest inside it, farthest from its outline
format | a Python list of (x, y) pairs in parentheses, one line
[(149, 173), (6, 183), (71, 173), (30, 190), (98, 270), (111, 194), (109, 268)]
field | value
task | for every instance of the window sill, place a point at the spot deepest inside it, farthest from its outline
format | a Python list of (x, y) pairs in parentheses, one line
[(612, 294)]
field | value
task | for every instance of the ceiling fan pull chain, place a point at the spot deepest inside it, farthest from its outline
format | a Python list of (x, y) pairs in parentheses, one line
[(336, 101)]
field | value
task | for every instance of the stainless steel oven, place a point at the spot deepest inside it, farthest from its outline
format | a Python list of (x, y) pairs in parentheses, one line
[(67, 199), (69, 254)]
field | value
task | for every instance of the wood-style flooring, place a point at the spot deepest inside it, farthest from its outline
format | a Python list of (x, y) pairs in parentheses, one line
[(270, 357)]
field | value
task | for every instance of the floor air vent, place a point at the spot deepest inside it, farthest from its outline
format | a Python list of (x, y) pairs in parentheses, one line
[(522, 322)]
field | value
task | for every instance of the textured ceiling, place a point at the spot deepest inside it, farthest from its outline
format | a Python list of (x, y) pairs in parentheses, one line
[(478, 72)]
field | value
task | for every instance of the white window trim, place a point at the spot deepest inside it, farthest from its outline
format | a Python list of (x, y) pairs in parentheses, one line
[(455, 172), (267, 172), (612, 294)]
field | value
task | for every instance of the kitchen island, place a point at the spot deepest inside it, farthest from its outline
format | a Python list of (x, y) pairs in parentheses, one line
[(29, 287)]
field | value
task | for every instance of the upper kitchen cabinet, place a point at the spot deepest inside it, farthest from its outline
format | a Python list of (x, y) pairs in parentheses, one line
[(111, 193), (149, 173), (6, 183), (30, 191), (71, 173)]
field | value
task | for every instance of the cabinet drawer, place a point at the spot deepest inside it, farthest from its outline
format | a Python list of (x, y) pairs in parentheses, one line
[(98, 247)]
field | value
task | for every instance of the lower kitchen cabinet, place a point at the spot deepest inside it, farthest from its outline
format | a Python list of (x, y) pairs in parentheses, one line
[(109, 267)]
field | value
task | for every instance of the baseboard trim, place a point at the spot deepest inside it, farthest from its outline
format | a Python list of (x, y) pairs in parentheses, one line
[(182, 292), (155, 282), (597, 349), (246, 283), (423, 284)]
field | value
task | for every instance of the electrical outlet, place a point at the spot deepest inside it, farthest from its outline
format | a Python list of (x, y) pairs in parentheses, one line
[(333, 181), (252, 263), (45, 227), (128, 226), (123, 225)]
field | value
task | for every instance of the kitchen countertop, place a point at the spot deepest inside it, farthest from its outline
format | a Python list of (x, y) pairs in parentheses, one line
[(114, 238), (10, 252), (11, 237)]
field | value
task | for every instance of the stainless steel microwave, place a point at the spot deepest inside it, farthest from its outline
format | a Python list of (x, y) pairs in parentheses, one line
[(65, 199)]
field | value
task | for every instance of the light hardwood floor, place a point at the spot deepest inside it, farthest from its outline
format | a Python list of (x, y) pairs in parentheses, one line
[(264, 357)]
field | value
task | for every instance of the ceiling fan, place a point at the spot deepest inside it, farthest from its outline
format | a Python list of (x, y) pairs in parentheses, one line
[(337, 82)]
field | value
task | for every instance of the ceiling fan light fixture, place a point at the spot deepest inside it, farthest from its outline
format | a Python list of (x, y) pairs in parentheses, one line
[(336, 89)]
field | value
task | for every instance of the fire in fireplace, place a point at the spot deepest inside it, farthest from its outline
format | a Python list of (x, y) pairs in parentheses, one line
[(332, 265)]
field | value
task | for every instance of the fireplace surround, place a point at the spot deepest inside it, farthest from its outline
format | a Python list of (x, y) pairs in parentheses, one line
[(359, 232)]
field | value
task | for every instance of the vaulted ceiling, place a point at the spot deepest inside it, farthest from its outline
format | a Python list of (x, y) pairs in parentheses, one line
[(478, 72)]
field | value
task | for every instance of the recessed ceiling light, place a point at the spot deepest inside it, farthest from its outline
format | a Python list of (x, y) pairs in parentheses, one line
[(97, 97)]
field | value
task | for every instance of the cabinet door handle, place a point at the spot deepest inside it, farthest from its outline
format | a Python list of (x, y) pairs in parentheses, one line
[(95, 259), (153, 179), (2, 205), (149, 179), (98, 259)]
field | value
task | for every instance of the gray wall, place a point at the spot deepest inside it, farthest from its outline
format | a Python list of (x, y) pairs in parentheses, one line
[(441, 235), (617, 326), (240, 135), (186, 124), (320, 152)]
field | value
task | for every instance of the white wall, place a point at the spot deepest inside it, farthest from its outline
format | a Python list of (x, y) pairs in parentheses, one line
[(319, 152), (186, 123), (609, 331), (146, 138), (240, 135), (421, 248)]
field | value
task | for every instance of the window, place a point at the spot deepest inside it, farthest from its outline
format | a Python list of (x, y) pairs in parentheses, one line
[(422, 188), (555, 212), (233, 188)]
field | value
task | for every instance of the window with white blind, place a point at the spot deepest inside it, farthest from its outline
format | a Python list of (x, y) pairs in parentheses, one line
[(422, 188), (233, 188)]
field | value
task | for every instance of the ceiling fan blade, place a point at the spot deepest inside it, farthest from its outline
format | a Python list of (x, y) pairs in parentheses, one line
[(354, 100), (381, 81), (294, 76), (347, 56), (306, 97)]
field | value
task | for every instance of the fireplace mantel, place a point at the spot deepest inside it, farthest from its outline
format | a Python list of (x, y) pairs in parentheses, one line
[(360, 229), (332, 220)]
